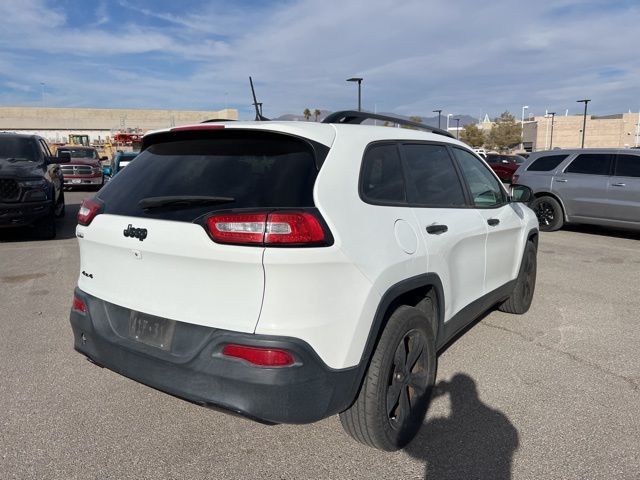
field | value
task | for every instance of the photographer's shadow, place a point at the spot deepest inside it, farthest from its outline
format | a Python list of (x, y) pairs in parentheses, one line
[(475, 442)]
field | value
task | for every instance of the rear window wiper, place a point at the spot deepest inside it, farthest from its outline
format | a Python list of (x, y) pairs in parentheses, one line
[(182, 201)]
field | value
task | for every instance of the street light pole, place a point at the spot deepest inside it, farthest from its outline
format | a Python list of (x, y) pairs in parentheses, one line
[(553, 116), (584, 118), (524, 107), (457, 128), (449, 115), (359, 80), (439, 112), (42, 86)]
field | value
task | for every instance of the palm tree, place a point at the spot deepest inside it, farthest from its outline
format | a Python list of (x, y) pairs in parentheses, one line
[(317, 113), (307, 114)]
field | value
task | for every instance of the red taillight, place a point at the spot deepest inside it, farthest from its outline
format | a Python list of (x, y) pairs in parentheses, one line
[(278, 228), (78, 305), (242, 228), (302, 227), (263, 357), (88, 210)]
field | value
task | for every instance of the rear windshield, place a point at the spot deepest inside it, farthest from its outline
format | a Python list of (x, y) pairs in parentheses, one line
[(18, 149), (255, 169)]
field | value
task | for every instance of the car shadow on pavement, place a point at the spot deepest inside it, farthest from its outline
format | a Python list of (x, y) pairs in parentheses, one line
[(475, 442), (65, 226), (603, 231)]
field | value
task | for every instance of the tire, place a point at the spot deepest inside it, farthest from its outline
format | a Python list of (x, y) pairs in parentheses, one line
[(396, 390), (549, 213), (46, 227), (522, 295), (60, 207)]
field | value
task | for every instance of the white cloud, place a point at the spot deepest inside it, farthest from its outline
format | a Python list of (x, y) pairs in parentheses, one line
[(414, 55)]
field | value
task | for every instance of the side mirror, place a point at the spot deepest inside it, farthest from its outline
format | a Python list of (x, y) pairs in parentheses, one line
[(521, 194), (63, 157)]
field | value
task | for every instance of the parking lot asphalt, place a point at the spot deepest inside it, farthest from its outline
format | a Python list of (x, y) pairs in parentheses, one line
[(553, 394)]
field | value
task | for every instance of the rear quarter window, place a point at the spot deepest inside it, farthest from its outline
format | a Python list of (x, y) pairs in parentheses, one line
[(257, 169), (547, 163), (382, 180)]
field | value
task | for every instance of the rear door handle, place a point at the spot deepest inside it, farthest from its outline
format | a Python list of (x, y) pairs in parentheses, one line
[(437, 229), (493, 222), (618, 184), (561, 180)]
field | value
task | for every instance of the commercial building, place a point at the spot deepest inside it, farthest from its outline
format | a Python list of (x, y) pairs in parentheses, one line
[(610, 131), (56, 124)]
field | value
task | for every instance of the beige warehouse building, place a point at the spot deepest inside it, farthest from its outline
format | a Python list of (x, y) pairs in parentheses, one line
[(55, 124), (619, 131)]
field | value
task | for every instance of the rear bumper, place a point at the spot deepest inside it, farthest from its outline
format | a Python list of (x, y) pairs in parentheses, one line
[(23, 213), (195, 369)]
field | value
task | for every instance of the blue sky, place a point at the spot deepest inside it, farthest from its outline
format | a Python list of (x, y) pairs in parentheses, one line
[(463, 56)]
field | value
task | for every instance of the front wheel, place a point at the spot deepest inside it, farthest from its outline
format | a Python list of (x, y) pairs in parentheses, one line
[(396, 390), (549, 213)]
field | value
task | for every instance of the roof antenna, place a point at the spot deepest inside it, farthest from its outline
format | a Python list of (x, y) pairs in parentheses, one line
[(256, 104)]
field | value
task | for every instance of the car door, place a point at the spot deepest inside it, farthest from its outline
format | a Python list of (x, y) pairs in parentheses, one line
[(623, 189), (453, 233), (582, 185), (503, 219)]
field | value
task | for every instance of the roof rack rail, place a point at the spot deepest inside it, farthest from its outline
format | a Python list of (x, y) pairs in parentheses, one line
[(214, 120), (355, 117)]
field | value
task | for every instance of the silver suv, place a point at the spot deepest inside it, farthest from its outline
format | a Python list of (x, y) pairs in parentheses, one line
[(596, 186)]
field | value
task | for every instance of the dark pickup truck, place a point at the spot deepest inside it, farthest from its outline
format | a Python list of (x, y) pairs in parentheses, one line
[(31, 182)]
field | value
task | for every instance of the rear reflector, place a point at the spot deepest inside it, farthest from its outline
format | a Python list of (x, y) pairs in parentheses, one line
[(262, 357), (277, 228), (88, 211), (78, 305)]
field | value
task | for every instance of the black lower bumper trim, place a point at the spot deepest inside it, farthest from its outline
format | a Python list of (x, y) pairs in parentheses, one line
[(195, 369)]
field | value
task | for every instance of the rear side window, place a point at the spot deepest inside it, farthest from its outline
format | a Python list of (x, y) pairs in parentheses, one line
[(546, 164), (382, 179), (254, 169), (431, 176), (628, 166), (591, 164)]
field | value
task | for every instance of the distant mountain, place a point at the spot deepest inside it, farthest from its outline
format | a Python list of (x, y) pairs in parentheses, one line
[(431, 121)]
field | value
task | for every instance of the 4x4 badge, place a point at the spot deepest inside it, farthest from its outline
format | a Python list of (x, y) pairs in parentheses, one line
[(139, 233)]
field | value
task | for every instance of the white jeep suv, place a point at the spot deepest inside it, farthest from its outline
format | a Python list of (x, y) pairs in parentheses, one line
[(289, 271)]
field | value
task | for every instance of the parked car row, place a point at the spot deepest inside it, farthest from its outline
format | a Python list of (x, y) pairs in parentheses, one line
[(32, 180)]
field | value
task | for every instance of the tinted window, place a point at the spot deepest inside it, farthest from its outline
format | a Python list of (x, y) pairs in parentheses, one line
[(628, 166), (382, 179), (431, 176), (18, 149), (80, 152), (485, 188), (493, 158), (546, 164), (591, 163), (256, 169)]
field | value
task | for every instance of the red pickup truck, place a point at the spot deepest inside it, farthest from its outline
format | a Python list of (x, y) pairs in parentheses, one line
[(84, 169)]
